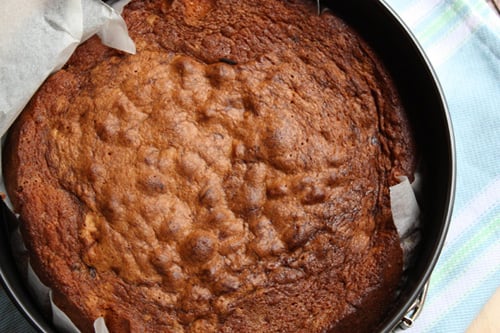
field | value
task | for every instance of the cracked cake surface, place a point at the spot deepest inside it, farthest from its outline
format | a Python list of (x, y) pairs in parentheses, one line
[(231, 176)]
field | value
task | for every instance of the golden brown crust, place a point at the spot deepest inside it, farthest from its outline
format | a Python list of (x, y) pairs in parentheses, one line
[(231, 176)]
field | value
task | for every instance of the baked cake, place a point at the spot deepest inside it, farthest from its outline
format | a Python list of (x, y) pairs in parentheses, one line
[(231, 176)]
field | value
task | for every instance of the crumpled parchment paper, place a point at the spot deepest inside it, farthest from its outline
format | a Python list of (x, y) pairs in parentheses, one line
[(406, 215), (37, 37)]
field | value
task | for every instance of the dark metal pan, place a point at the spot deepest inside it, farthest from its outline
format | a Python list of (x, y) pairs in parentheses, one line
[(11, 279), (424, 100)]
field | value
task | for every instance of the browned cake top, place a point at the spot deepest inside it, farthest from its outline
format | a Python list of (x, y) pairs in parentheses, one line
[(232, 175)]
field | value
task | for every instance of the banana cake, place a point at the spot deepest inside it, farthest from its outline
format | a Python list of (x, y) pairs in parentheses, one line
[(231, 176)]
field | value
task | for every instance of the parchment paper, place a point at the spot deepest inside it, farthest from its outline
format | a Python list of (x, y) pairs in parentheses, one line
[(37, 37), (406, 215)]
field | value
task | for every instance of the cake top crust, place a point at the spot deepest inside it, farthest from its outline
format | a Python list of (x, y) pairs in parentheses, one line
[(231, 176)]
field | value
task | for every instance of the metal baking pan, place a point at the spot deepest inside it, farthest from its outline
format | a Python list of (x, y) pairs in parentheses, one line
[(426, 106), (428, 113)]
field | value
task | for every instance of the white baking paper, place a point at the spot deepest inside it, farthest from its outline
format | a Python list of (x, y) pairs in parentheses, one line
[(37, 37), (406, 215), (100, 326)]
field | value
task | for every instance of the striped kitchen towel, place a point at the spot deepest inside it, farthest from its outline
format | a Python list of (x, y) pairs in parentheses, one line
[(462, 40)]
